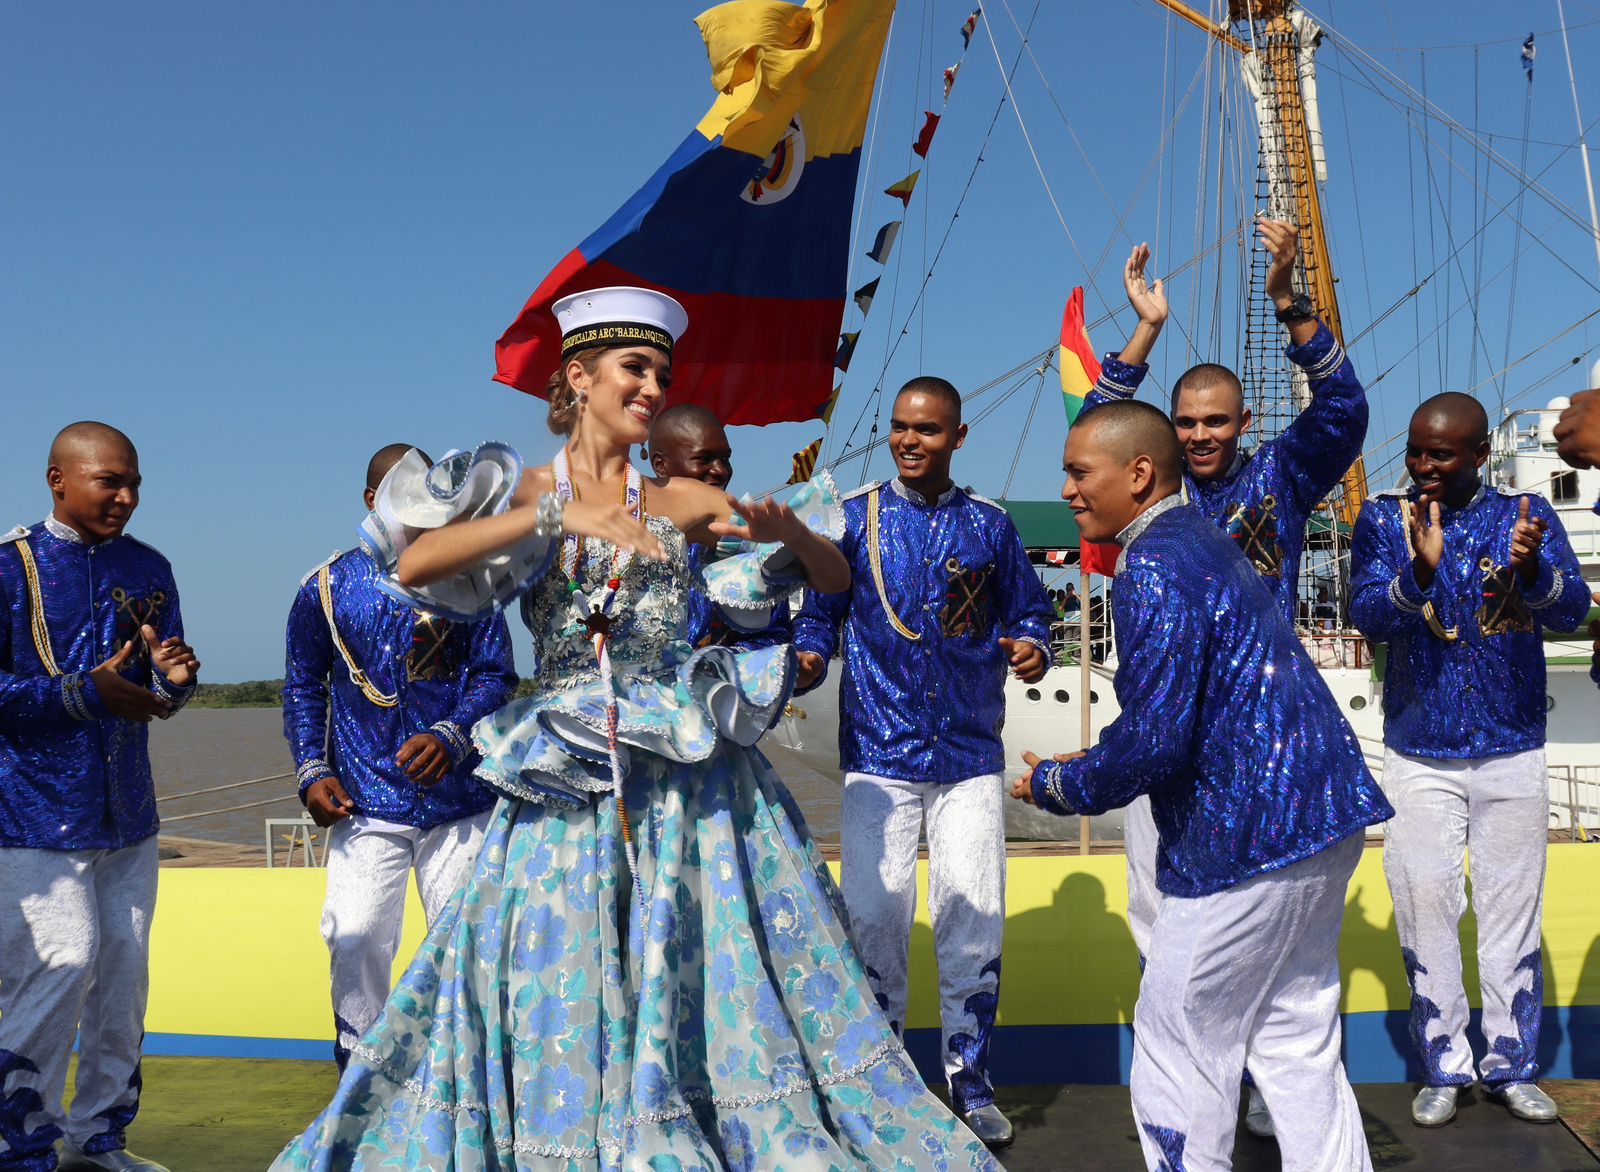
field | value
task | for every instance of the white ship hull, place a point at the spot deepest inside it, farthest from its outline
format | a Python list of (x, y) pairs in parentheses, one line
[(1045, 718)]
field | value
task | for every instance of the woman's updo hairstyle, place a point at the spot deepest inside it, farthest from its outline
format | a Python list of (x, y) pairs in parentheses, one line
[(563, 395)]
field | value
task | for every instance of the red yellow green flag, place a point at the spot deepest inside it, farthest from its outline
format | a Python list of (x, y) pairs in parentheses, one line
[(1080, 369)]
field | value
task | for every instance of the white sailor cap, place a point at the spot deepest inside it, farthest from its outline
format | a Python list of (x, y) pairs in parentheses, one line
[(619, 315)]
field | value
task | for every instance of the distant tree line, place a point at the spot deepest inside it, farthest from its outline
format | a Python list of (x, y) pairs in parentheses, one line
[(269, 694)]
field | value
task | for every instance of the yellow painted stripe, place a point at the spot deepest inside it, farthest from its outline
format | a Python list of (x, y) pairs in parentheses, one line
[(238, 952)]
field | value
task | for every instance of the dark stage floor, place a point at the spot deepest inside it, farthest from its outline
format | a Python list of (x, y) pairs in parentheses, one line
[(216, 1115)]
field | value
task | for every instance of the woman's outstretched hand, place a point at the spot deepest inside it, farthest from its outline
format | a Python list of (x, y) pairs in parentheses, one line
[(764, 520), (611, 523)]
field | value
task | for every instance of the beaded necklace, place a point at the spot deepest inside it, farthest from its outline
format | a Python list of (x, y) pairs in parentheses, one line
[(594, 614)]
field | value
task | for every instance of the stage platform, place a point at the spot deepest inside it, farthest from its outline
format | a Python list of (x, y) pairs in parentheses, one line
[(234, 1115)]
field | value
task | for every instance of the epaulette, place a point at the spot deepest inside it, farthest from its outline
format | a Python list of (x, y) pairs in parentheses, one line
[(1394, 493), (863, 490), (19, 532), (982, 500), (1513, 492), (327, 561)]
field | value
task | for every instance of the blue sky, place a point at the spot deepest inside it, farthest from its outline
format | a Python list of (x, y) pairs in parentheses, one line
[(265, 240)]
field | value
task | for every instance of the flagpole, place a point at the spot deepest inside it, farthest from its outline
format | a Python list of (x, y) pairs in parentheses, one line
[(1084, 680)]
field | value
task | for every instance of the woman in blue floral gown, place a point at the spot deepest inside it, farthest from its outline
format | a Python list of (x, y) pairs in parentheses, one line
[(558, 1017)]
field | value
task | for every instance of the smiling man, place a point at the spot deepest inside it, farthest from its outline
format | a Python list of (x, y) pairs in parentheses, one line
[(91, 649), (1258, 834), (942, 600), (689, 440), (1261, 500), (1460, 580)]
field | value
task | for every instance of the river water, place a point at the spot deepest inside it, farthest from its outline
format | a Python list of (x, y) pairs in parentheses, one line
[(207, 747)]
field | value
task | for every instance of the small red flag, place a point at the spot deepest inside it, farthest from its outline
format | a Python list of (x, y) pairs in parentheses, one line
[(1099, 557), (925, 136)]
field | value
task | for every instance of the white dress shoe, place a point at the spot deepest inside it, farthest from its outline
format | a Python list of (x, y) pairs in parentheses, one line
[(1526, 1101), (1257, 1119), (1434, 1106), (990, 1126), (75, 1159)]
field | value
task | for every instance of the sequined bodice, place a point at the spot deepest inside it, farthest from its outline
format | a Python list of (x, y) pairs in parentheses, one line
[(648, 616)]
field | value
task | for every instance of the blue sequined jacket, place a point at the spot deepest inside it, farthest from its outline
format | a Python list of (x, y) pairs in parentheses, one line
[(956, 575), (1482, 694), (446, 675), (1265, 500), (1225, 722), (72, 776)]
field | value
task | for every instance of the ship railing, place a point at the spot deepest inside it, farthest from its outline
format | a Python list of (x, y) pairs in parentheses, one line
[(1578, 813)]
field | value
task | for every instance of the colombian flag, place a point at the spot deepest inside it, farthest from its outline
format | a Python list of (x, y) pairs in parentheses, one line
[(748, 223), (1080, 370)]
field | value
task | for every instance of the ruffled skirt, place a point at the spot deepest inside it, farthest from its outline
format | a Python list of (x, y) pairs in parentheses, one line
[(548, 1022)]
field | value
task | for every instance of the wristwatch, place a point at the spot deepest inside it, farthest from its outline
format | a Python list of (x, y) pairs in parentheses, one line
[(1299, 309)]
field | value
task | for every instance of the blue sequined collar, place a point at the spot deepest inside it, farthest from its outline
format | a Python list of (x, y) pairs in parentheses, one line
[(1140, 523), (916, 498)]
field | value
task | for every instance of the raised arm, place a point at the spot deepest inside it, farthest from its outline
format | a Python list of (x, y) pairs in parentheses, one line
[(438, 554), (1324, 439), (1120, 375)]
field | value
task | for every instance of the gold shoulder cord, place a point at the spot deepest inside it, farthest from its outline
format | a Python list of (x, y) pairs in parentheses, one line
[(368, 689), (41, 631), (1429, 615), (875, 559)]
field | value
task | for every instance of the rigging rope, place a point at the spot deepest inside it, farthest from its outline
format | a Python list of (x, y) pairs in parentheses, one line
[(217, 789)]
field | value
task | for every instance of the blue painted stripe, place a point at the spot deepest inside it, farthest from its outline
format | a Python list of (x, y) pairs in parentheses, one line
[(1376, 1046), (225, 1046), (687, 228)]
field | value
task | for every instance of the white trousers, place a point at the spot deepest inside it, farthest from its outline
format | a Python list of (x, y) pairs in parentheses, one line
[(1248, 974), (1140, 841), (881, 823), (1499, 808), (74, 963), (368, 863)]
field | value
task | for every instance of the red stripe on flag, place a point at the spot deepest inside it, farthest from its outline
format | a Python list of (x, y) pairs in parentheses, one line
[(785, 347)]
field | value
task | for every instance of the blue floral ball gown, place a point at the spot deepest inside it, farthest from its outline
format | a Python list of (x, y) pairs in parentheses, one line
[(553, 1019)]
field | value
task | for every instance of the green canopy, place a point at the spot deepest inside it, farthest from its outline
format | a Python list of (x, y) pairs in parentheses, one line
[(1043, 524)]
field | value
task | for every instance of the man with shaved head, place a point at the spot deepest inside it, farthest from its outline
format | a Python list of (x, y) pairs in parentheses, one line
[(1261, 799), (688, 440), (942, 602), (1460, 580), (379, 701), (1261, 499), (91, 649)]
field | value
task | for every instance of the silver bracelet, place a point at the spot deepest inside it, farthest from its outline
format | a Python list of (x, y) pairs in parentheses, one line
[(547, 523)]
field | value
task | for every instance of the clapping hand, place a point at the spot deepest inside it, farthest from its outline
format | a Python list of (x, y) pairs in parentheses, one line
[(122, 697), (1526, 541), (1427, 540), (173, 658)]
